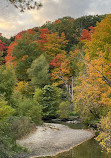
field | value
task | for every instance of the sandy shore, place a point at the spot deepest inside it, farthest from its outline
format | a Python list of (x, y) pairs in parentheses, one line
[(51, 139)]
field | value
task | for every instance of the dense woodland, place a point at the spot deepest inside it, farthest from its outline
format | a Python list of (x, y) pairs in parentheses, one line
[(59, 70)]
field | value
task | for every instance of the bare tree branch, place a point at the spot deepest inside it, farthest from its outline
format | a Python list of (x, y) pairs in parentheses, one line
[(26, 4)]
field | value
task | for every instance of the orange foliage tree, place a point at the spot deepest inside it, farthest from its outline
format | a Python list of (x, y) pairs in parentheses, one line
[(55, 45)]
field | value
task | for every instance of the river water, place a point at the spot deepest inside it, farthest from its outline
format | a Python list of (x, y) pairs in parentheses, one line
[(88, 149)]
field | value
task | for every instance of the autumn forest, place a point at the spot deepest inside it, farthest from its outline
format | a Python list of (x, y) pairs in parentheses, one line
[(60, 70)]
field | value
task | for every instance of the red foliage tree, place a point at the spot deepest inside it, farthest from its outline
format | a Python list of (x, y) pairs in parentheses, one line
[(42, 36), (56, 62), (3, 52), (86, 34)]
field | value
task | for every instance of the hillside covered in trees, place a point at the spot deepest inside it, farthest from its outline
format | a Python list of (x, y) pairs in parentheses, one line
[(59, 70)]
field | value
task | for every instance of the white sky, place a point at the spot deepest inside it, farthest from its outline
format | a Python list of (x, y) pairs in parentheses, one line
[(12, 21)]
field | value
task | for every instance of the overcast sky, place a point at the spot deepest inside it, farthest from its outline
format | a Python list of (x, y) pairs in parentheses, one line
[(12, 21)]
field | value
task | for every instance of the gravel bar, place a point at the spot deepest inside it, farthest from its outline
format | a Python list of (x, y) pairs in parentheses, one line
[(51, 139)]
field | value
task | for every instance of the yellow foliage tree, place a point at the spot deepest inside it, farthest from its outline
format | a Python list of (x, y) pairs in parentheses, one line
[(105, 132), (93, 94), (22, 87)]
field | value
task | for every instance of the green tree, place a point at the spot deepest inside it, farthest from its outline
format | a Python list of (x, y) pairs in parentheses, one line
[(50, 101), (25, 51), (49, 98), (38, 95), (6, 141), (64, 109), (29, 108), (85, 22), (7, 81), (38, 72), (5, 109)]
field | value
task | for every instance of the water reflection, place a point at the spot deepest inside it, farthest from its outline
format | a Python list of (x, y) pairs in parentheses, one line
[(89, 149)]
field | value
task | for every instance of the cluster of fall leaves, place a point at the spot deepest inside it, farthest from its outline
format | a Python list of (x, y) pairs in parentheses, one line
[(85, 71)]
